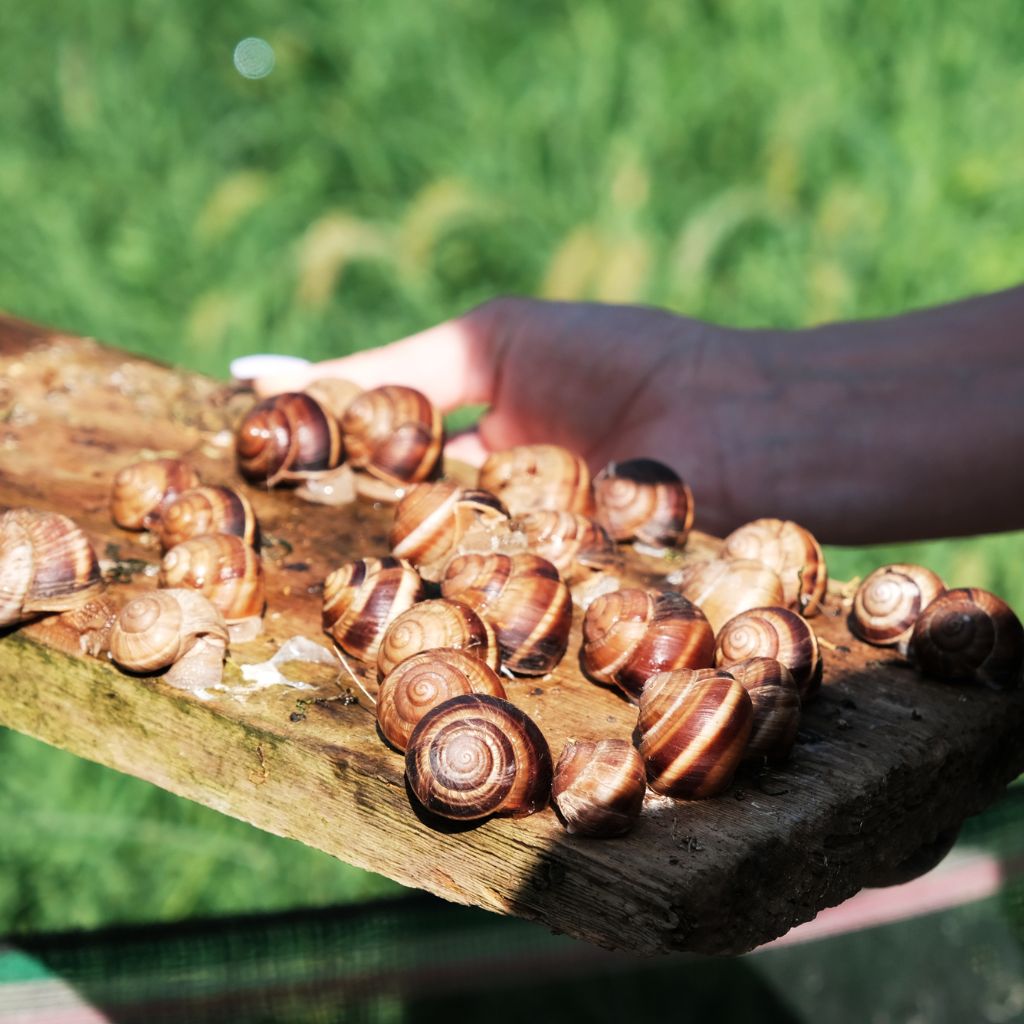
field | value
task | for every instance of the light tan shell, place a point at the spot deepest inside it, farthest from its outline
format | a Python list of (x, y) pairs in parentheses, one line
[(574, 544), (645, 500), (535, 476), (723, 588), (888, 602), (776, 700), (598, 788), (203, 510), (143, 489), (334, 394), (223, 568)]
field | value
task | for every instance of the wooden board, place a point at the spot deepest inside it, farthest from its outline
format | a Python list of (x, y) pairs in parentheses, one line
[(885, 761)]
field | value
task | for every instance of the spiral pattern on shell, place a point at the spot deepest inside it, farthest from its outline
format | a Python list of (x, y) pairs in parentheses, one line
[(888, 602), (631, 634), (223, 568), (789, 549), (441, 622), (536, 476), (693, 725), (722, 588), (773, 633), (203, 510), (776, 700), (363, 597), (646, 500), (598, 788), (573, 543), (420, 683), (476, 755), (143, 489), (969, 635), (394, 433), (287, 437)]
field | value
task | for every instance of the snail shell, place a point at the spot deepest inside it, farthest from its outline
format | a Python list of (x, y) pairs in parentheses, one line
[(723, 588), (363, 597), (598, 788), (223, 568), (971, 635), (208, 510), (334, 394), (535, 476), (631, 634), (422, 682), (773, 633), (525, 600), (646, 500), (46, 565), (476, 755), (178, 628), (393, 433), (285, 438), (888, 602), (694, 725), (789, 549), (776, 700), (142, 490), (573, 543), (433, 519), (441, 622)]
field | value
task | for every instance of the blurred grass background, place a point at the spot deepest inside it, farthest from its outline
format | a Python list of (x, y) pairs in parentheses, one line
[(754, 163)]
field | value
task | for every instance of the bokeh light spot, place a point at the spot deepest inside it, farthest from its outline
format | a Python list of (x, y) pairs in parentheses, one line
[(254, 58)]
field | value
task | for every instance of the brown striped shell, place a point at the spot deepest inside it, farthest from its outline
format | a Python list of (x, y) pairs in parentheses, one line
[(645, 500), (46, 565), (422, 682), (535, 476), (285, 438), (525, 600), (693, 726), (969, 635), (208, 510), (724, 588), (776, 700), (631, 634), (363, 597), (432, 521), (888, 602), (393, 433), (792, 551), (142, 490), (598, 788), (773, 633), (476, 755), (574, 544), (440, 622), (223, 568)]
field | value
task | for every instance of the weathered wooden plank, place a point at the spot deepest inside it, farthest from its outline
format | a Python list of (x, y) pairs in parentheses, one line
[(886, 761)]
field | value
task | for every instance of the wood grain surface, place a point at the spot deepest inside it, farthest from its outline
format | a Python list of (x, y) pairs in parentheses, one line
[(885, 763)]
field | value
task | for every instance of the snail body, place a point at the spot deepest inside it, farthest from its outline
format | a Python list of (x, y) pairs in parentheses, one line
[(598, 788), (632, 634), (645, 500), (693, 725), (722, 588), (143, 489), (537, 476), (474, 756), (969, 635), (204, 510), (888, 602), (776, 700)]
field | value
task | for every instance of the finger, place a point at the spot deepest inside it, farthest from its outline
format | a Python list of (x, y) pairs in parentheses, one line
[(467, 447)]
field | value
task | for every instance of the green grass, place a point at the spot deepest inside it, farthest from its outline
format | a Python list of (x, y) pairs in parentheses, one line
[(754, 163)]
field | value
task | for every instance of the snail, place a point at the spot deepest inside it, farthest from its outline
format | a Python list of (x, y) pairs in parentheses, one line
[(969, 635), (333, 393), (631, 634), (286, 438), (888, 602), (574, 544), (393, 433), (534, 476), (435, 521), (440, 622), (177, 629), (693, 727), (776, 700), (142, 490), (46, 565), (208, 510), (792, 551), (476, 755), (422, 682), (598, 787), (773, 633), (523, 598), (363, 597), (724, 588), (227, 571), (645, 500)]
